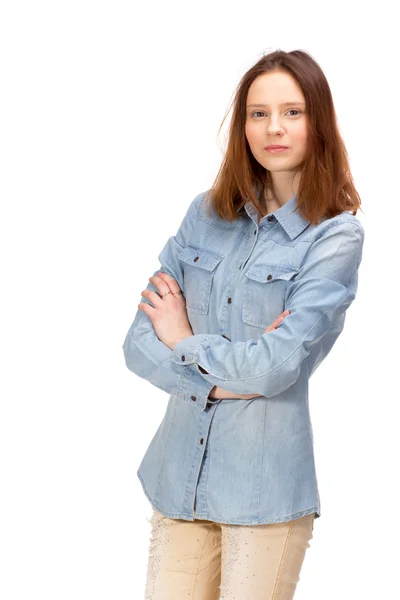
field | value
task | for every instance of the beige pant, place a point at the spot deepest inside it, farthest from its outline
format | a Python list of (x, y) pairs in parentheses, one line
[(204, 560)]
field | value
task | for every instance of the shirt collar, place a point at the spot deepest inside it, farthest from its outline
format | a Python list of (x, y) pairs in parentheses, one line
[(287, 215)]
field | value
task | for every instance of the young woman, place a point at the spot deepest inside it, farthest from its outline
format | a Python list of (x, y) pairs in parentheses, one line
[(250, 298)]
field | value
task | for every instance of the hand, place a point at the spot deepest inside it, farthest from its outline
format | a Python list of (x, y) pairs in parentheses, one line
[(168, 314), (219, 393), (277, 321)]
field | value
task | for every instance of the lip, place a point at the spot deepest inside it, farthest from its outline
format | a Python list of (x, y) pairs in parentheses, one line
[(275, 148)]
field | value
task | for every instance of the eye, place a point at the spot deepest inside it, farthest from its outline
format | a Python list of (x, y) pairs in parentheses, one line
[(291, 110)]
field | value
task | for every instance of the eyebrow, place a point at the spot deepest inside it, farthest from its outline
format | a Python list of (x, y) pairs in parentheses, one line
[(283, 104)]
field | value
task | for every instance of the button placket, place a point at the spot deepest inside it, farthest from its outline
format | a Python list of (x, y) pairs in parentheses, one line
[(242, 265)]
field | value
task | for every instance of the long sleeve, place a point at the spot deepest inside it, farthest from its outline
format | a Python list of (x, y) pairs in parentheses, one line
[(317, 298), (145, 354)]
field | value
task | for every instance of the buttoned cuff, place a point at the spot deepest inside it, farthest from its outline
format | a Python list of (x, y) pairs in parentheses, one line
[(195, 389), (192, 388), (185, 352)]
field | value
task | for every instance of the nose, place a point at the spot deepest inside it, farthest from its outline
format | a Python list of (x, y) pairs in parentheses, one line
[(274, 130), (274, 127)]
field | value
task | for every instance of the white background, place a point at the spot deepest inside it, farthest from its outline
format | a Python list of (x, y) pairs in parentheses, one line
[(109, 128)]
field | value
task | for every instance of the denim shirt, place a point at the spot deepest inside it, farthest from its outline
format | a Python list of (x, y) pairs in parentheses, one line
[(238, 461)]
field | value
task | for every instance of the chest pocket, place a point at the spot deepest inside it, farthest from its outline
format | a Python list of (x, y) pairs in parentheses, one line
[(264, 293), (199, 266)]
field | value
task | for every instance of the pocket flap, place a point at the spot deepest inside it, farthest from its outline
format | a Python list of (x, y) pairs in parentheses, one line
[(267, 273), (201, 257)]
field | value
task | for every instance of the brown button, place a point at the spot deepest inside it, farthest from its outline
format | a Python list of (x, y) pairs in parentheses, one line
[(270, 218), (201, 440), (196, 259), (193, 397), (229, 300), (203, 370), (183, 357), (269, 276)]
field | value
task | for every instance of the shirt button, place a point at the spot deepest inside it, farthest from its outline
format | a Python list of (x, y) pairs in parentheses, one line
[(225, 336), (269, 276), (229, 300), (196, 259), (193, 397), (201, 440), (255, 231), (270, 218), (203, 370), (183, 357)]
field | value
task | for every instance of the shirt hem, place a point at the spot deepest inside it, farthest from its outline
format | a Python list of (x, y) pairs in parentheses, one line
[(216, 519)]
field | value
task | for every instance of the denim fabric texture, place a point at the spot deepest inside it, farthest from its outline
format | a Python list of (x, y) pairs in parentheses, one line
[(237, 461)]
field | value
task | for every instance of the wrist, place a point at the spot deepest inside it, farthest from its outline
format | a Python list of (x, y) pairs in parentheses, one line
[(219, 393), (179, 339)]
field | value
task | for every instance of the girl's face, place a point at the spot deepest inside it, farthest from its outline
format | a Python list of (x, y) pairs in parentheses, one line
[(277, 117)]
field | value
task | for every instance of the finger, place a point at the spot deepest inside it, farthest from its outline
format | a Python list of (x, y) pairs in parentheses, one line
[(146, 308), (173, 284), (161, 286), (280, 318), (274, 325), (153, 297), (277, 321)]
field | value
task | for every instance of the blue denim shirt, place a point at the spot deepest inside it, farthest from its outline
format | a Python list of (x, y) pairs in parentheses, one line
[(239, 461)]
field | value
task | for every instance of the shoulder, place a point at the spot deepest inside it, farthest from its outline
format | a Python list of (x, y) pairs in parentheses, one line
[(202, 209), (338, 241), (343, 224), (198, 203)]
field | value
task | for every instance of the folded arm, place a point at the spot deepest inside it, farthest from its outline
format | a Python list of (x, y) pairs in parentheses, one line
[(148, 357), (317, 298)]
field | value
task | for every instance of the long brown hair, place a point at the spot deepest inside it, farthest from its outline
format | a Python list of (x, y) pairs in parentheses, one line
[(326, 185)]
